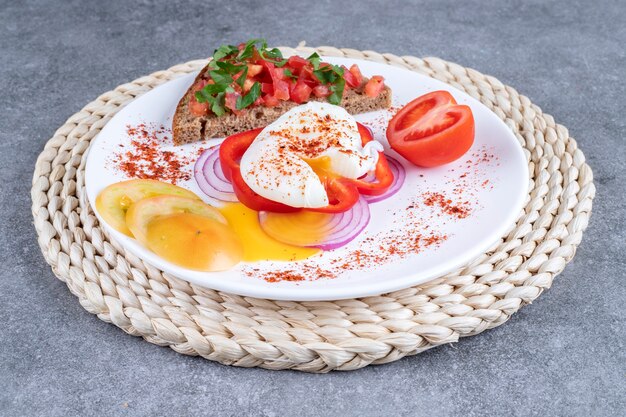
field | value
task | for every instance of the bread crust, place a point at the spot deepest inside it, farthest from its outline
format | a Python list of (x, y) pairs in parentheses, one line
[(187, 128)]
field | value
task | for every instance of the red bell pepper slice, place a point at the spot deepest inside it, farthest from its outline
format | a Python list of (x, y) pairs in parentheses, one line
[(384, 176)]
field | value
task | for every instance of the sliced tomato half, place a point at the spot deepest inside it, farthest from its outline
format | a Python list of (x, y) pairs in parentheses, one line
[(432, 130)]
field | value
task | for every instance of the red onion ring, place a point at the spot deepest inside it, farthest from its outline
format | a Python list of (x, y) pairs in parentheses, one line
[(210, 178), (340, 229), (399, 175)]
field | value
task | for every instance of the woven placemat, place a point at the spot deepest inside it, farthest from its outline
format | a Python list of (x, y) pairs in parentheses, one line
[(316, 336)]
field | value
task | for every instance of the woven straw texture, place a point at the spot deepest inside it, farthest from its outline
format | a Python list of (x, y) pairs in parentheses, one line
[(316, 336)]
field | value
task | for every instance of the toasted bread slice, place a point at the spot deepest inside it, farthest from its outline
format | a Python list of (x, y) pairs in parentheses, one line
[(187, 128)]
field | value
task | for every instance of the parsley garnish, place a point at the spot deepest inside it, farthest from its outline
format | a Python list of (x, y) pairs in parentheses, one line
[(314, 59), (224, 51), (251, 97), (331, 75), (337, 92), (289, 74)]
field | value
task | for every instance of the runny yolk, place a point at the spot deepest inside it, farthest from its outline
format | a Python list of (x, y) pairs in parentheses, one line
[(257, 245), (320, 165), (193, 241)]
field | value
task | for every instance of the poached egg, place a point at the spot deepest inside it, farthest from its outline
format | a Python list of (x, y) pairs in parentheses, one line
[(287, 158)]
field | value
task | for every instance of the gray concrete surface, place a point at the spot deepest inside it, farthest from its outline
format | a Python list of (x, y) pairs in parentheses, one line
[(563, 355)]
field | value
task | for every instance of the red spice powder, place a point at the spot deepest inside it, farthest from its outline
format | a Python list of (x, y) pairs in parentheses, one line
[(458, 210), (147, 158)]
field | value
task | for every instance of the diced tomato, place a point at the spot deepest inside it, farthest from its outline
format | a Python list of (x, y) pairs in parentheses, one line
[(247, 85), (351, 80), (198, 109), (230, 101), (307, 74), (281, 90), (311, 83), (281, 87), (199, 85), (270, 101), (268, 66), (254, 70), (267, 88), (279, 74), (374, 86), (321, 91), (356, 72), (301, 92), (297, 62)]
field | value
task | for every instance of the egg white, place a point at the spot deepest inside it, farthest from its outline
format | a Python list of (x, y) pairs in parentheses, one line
[(286, 177)]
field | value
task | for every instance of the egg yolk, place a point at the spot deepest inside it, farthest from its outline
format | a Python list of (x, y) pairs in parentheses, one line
[(257, 245), (321, 165)]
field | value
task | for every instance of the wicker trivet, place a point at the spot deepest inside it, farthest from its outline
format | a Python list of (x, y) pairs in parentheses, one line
[(316, 336)]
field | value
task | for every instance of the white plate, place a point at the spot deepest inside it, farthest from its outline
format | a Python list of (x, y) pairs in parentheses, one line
[(494, 205)]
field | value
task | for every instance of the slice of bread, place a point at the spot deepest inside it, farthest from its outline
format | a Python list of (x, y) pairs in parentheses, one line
[(187, 128)]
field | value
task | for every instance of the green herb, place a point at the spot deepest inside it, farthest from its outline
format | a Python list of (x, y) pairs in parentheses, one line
[(248, 49), (216, 102), (272, 53), (218, 105), (337, 92), (251, 97), (315, 60), (221, 77), (207, 92), (229, 68), (224, 51), (242, 78), (289, 74), (329, 74)]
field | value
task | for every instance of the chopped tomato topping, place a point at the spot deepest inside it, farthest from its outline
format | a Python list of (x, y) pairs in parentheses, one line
[(356, 73), (198, 109), (231, 102), (374, 86), (295, 78), (281, 90), (351, 80), (270, 101), (297, 62), (254, 70), (321, 91), (301, 92), (267, 88), (247, 85)]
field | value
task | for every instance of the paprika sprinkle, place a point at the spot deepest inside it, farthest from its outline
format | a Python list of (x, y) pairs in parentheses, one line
[(146, 156)]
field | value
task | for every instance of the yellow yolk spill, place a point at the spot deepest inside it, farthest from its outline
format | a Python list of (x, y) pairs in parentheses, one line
[(321, 165), (257, 245), (193, 241)]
